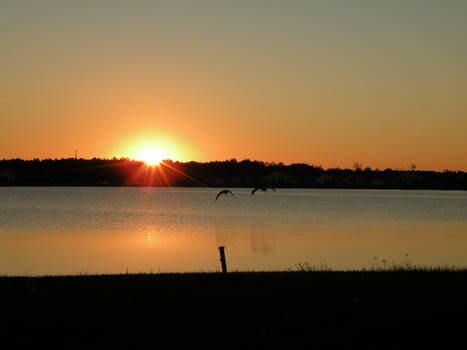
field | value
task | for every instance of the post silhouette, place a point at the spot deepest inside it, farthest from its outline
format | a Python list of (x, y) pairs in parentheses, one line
[(223, 263)]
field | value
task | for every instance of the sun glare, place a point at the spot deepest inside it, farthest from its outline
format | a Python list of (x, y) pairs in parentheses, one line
[(152, 156), (150, 149)]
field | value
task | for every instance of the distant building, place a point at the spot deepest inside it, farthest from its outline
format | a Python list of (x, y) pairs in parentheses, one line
[(7, 176)]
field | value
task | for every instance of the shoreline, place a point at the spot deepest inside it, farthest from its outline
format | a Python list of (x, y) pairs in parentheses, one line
[(301, 269), (323, 309), (230, 173), (383, 188)]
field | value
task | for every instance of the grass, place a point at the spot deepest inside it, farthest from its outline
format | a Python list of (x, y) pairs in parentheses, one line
[(385, 307), (382, 265)]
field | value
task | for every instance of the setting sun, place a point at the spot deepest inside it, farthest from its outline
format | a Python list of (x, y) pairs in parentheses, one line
[(152, 148), (152, 156)]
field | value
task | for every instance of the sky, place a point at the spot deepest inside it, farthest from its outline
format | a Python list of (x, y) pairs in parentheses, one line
[(329, 83)]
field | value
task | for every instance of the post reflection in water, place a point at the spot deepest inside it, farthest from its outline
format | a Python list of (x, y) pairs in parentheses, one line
[(262, 238), (256, 249), (343, 230)]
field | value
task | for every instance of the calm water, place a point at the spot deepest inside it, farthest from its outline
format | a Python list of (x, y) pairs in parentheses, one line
[(70, 230)]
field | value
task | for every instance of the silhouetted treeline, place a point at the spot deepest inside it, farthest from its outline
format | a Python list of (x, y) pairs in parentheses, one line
[(230, 173)]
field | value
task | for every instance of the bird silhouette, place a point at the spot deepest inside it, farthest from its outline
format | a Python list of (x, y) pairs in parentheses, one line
[(224, 192), (264, 189)]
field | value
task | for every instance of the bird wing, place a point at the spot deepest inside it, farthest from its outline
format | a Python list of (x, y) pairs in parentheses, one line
[(223, 192), (254, 190)]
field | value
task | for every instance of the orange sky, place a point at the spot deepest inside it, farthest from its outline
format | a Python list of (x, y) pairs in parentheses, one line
[(326, 83)]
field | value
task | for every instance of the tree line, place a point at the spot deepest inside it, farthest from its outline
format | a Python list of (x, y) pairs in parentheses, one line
[(228, 173)]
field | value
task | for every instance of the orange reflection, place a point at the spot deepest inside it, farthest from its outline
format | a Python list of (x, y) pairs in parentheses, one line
[(58, 253), (249, 247)]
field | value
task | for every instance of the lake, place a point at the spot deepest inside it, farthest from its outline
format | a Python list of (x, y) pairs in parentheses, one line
[(79, 230)]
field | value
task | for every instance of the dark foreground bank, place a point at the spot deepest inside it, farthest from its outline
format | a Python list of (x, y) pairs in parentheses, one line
[(377, 310)]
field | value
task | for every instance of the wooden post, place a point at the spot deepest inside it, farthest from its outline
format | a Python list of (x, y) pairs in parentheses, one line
[(223, 263)]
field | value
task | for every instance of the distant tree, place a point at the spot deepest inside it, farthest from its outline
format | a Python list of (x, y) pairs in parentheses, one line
[(357, 166)]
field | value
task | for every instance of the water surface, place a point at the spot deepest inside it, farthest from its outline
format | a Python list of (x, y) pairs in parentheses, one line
[(69, 230)]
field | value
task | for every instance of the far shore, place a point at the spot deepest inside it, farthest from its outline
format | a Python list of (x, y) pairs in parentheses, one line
[(229, 173)]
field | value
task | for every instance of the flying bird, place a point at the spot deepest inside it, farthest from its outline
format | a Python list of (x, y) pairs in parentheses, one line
[(264, 189), (224, 192)]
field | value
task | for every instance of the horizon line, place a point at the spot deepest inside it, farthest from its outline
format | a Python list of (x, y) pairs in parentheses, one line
[(360, 167)]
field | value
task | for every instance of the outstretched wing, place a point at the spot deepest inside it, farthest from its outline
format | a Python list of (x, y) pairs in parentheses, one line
[(224, 192), (254, 190)]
